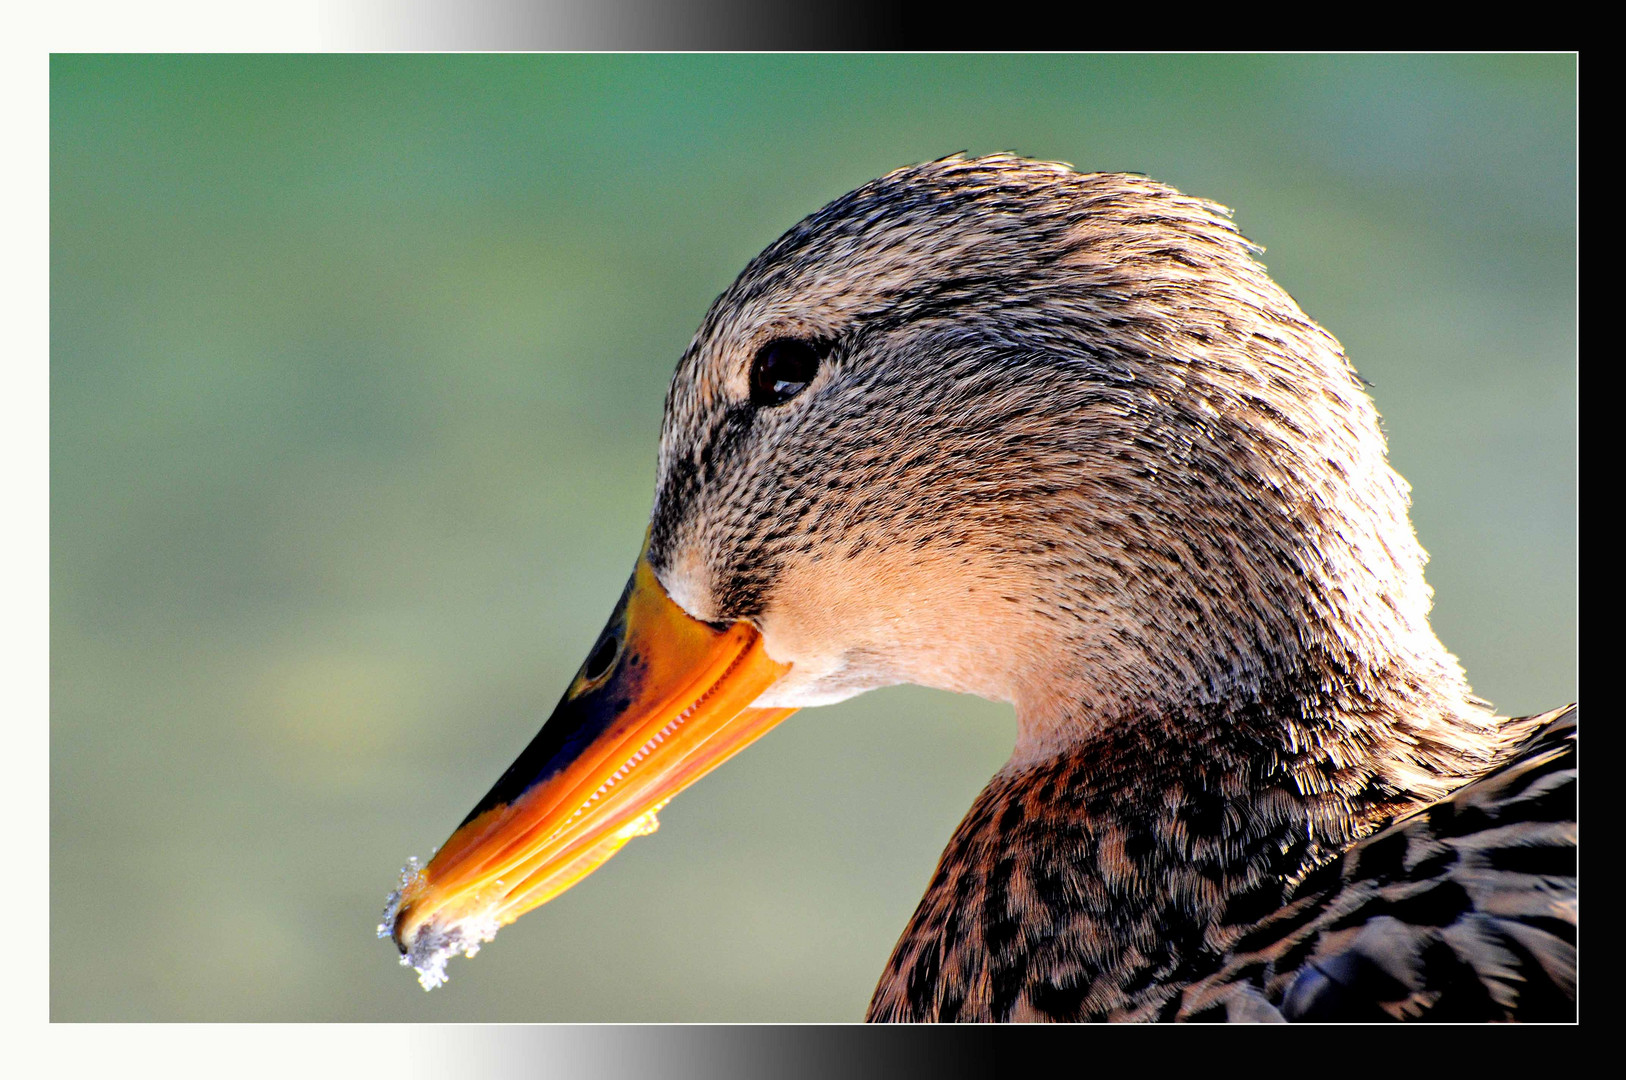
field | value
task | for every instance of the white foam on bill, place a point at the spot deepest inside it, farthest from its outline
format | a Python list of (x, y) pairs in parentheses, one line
[(434, 944)]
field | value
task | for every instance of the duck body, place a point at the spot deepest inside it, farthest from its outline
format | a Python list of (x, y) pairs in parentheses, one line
[(995, 426), (1066, 896)]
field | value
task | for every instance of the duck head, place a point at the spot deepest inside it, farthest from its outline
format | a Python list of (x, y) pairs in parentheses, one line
[(993, 426)]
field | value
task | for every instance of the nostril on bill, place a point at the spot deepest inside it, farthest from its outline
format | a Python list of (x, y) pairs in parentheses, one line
[(603, 658)]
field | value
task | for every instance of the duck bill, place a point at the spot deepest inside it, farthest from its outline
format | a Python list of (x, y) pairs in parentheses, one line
[(662, 700)]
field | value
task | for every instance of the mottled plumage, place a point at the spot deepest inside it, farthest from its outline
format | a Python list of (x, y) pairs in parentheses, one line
[(1065, 897), (1070, 446)]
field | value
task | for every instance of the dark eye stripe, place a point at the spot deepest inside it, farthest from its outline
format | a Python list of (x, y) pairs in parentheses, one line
[(782, 369)]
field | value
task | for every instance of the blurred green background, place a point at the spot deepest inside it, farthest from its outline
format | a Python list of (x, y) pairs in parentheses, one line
[(357, 369)]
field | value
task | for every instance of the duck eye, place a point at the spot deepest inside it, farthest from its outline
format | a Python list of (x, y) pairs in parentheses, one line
[(782, 369)]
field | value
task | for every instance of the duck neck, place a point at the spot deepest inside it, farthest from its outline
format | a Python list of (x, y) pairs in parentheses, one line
[(1093, 883)]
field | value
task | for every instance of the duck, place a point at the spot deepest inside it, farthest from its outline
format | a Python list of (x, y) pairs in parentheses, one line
[(1000, 427)]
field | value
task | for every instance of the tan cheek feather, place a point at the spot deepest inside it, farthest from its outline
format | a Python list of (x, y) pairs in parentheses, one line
[(894, 611)]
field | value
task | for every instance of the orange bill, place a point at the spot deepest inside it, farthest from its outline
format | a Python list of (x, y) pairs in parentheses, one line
[(662, 700)]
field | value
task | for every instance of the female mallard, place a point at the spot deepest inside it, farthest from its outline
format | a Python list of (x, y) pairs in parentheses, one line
[(994, 426)]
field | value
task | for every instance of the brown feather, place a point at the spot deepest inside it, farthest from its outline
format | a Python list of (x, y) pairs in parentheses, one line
[(1070, 446)]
